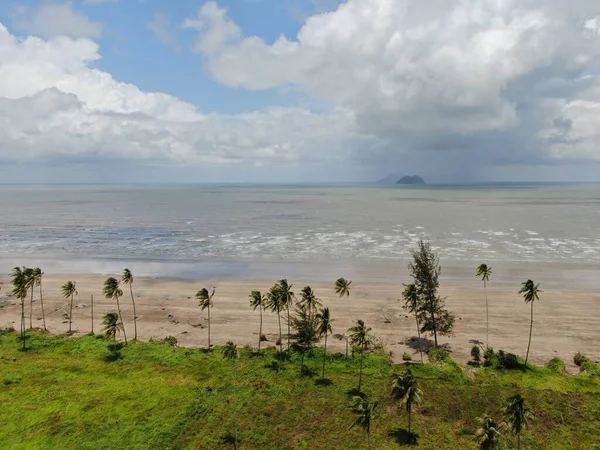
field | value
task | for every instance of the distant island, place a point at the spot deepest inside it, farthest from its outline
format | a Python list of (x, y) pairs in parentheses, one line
[(408, 179)]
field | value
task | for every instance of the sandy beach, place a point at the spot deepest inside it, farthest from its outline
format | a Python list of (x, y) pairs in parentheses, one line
[(566, 321)]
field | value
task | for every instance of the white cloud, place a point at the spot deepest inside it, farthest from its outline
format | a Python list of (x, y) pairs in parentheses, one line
[(161, 27), (99, 1), (55, 19), (54, 105), (473, 75)]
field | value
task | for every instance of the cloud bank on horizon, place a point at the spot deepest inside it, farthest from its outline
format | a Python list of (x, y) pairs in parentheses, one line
[(378, 83)]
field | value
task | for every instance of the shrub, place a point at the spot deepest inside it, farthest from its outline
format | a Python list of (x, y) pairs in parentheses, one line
[(556, 365), (579, 359), (488, 356), (476, 354), (508, 360), (438, 355), (170, 340), (590, 367), (406, 357)]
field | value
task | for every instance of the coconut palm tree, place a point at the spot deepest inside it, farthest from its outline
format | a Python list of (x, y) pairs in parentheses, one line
[(230, 352), (257, 300), (530, 292), (275, 304), (205, 302), (37, 276), (517, 415), (112, 291), (360, 336), (112, 325), (485, 272), (287, 299), (308, 300), (92, 302), (405, 388), (342, 337), (69, 290), (489, 433), (411, 304), (29, 278), (365, 412), (306, 333), (20, 291), (324, 328), (342, 287), (127, 278)]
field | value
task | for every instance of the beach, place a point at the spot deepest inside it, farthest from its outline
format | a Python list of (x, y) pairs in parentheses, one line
[(565, 320)]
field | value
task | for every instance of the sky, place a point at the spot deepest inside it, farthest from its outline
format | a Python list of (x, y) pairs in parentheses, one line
[(120, 91)]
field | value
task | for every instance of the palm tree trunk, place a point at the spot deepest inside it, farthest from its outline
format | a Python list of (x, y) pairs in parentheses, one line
[(42, 303), (71, 314), (121, 319), (92, 300), (31, 309), (434, 329), (209, 326), (419, 336), (409, 420), (530, 330), (235, 407), (280, 335), (487, 317), (518, 441), (369, 439), (260, 329), (288, 325), (134, 314), (360, 372), (324, 355), (23, 334), (346, 347)]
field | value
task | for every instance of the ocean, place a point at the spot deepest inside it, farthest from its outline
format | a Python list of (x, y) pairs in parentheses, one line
[(238, 224)]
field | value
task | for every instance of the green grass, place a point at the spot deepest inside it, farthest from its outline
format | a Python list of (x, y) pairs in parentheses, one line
[(70, 394)]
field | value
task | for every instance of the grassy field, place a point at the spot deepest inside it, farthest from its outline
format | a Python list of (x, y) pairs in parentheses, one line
[(77, 394)]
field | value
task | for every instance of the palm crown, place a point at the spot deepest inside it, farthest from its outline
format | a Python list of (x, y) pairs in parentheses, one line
[(342, 287), (111, 288), (516, 414), (37, 276), (111, 324), (204, 298), (530, 291), (489, 433), (308, 299), (359, 334), (484, 272), (257, 300), (406, 389), (19, 283), (69, 289), (230, 351), (127, 276), (324, 319)]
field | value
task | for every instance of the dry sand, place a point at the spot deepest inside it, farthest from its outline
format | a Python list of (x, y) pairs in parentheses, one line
[(566, 321)]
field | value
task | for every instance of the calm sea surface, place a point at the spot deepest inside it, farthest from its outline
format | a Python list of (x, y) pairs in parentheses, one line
[(550, 223)]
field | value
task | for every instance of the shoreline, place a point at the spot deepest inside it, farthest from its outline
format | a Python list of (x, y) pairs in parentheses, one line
[(565, 320)]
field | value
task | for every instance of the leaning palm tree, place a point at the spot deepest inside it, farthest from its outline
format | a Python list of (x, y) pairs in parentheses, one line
[(112, 291), (20, 291), (530, 292), (489, 433), (205, 302), (275, 304), (257, 300), (230, 353), (405, 388), (342, 287), (127, 278), (360, 336), (112, 325), (29, 277), (69, 290), (411, 304), (309, 300), (287, 299), (37, 276), (517, 415), (484, 272), (365, 412), (324, 328)]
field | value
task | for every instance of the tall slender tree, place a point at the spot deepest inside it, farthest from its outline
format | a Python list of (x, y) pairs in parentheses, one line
[(69, 290), (306, 332), (287, 299), (112, 291), (92, 302), (485, 272), (230, 352), (364, 409), (342, 287), (20, 291), (276, 305), (205, 302), (127, 278), (37, 276), (489, 433), (530, 292), (411, 304), (258, 301), (360, 336), (309, 300), (112, 325), (325, 321), (405, 389), (517, 415), (29, 275)]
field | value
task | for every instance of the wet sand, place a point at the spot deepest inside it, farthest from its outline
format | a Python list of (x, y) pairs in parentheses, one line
[(566, 320)]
